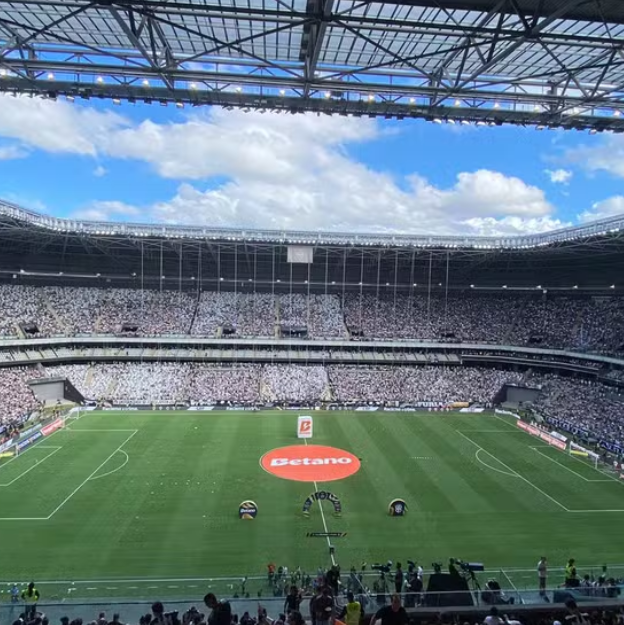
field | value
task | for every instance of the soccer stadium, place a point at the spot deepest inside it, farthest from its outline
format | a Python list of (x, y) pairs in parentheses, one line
[(370, 419)]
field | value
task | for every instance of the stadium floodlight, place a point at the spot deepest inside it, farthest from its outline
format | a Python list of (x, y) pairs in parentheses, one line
[(192, 86), (3, 72), (472, 286), (282, 92), (371, 97), (496, 105), (504, 286), (327, 95), (180, 105), (146, 82), (457, 103), (575, 286), (69, 98), (437, 121), (50, 76), (465, 122), (99, 80), (238, 89), (116, 101), (612, 286)]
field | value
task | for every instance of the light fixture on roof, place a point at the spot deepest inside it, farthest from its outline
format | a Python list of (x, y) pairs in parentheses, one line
[(457, 103), (327, 95), (3, 72), (221, 279), (496, 105), (69, 98), (539, 286), (612, 286), (145, 82), (180, 105), (575, 286), (116, 101), (99, 80), (504, 286), (163, 103), (192, 86), (616, 113), (437, 121), (239, 89), (472, 286), (371, 97), (282, 92), (465, 122), (50, 76), (593, 131), (412, 100)]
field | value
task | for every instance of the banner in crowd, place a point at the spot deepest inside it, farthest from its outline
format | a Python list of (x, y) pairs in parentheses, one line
[(322, 496)]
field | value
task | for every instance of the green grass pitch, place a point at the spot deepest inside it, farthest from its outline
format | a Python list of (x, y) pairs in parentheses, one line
[(144, 496)]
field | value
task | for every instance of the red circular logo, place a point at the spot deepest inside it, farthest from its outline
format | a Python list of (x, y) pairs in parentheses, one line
[(310, 463)]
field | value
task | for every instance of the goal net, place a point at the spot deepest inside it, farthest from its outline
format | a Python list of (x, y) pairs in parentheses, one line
[(583, 453)]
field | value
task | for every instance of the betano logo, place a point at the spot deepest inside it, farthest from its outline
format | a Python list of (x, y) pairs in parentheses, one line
[(305, 426), (310, 463)]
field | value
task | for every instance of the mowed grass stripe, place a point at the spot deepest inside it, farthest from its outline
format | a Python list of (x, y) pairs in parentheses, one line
[(572, 491), (475, 487)]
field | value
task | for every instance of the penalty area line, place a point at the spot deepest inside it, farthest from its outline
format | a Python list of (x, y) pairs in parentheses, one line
[(333, 559), (516, 474), (90, 476)]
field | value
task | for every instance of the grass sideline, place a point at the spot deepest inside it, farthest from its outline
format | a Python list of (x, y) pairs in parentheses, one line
[(152, 498)]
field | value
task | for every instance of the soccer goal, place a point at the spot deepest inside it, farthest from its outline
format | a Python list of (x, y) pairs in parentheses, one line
[(582, 452)]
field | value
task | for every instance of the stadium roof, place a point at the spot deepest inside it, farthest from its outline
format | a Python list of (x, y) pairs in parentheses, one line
[(597, 233), (551, 63)]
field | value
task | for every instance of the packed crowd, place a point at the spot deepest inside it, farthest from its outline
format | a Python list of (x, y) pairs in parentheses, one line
[(582, 323), (594, 409), (417, 384), (16, 398)]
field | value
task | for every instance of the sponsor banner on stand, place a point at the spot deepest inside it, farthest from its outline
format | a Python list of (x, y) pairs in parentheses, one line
[(367, 409), (55, 425), (7, 445), (26, 433), (28, 441), (201, 408), (545, 436)]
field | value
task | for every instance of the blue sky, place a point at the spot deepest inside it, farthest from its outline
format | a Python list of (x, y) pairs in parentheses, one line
[(214, 167)]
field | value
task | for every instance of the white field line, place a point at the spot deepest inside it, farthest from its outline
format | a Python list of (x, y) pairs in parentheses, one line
[(524, 479), (485, 464), (90, 476), (506, 422), (609, 477), (34, 466), (536, 450), (320, 503), (121, 466), (186, 580)]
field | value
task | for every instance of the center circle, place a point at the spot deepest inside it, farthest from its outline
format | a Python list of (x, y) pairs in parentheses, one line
[(310, 463)]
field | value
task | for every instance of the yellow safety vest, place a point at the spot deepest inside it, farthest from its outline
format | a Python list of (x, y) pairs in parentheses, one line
[(354, 612)]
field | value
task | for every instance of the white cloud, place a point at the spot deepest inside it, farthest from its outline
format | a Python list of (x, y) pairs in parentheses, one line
[(107, 211), (99, 171), (281, 171), (559, 176), (606, 208), (56, 126), (605, 154), (12, 152)]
